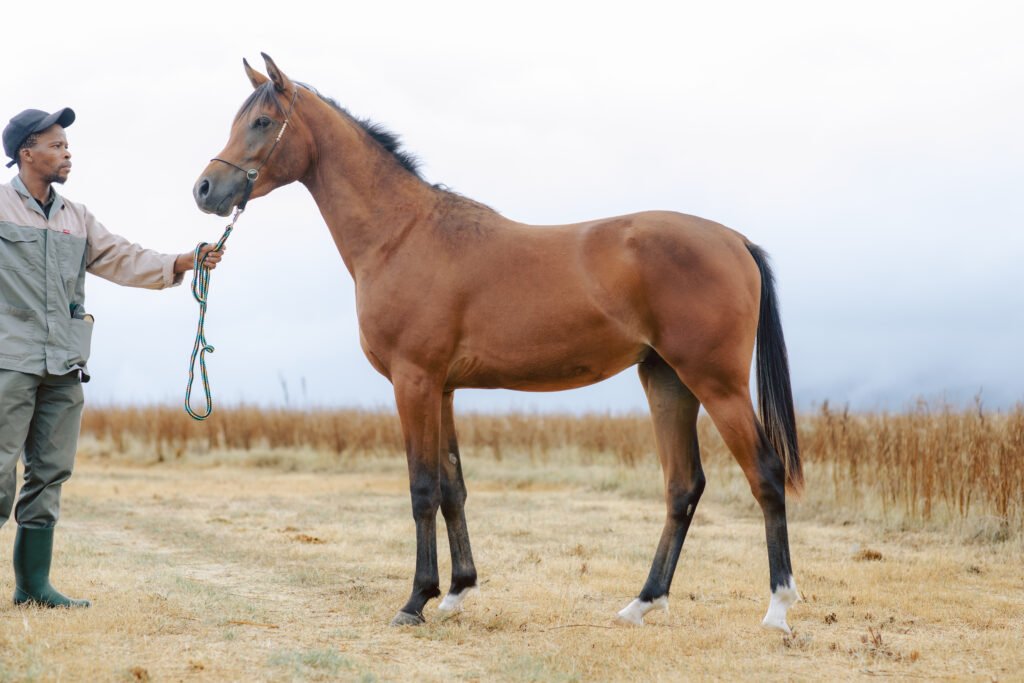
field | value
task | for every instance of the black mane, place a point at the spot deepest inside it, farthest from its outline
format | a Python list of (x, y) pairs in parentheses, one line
[(384, 137)]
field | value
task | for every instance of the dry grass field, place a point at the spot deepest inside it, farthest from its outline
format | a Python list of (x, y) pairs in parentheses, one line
[(283, 556)]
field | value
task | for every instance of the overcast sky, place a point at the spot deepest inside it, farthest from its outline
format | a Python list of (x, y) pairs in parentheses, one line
[(873, 148)]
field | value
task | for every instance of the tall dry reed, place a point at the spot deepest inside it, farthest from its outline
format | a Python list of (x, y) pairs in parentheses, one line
[(922, 463), (926, 461)]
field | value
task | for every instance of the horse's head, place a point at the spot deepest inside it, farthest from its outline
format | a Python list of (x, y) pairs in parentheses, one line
[(268, 146)]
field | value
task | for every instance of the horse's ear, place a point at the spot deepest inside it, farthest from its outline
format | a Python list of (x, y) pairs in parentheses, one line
[(281, 82), (255, 77)]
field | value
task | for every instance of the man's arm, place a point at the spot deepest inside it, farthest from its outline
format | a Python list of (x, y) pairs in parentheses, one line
[(114, 258)]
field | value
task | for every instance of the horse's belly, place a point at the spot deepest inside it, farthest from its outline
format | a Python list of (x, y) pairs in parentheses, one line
[(542, 369)]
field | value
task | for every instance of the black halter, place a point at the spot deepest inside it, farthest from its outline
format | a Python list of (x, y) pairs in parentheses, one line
[(253, 173)]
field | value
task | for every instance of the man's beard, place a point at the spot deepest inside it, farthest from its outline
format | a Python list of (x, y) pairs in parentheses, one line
[(56, 177)]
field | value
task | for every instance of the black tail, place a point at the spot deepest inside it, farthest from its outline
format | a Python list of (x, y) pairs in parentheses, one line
[(774, 393)]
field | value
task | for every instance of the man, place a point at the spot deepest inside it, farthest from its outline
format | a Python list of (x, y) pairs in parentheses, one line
[(47, 244)]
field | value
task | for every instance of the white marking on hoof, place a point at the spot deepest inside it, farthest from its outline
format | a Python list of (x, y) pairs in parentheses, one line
[(406, 619), (452, 603), (634, 612), (783, 598)]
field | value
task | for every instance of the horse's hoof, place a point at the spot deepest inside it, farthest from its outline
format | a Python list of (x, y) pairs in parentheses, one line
[(777, 625), (633, 613), (783, 598), (406, 619), (452, 603)]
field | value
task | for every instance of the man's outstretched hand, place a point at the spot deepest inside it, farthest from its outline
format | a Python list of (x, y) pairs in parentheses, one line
[(184, 262)]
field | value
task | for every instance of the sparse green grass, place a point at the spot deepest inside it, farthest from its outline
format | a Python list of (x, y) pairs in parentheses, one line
[(307, 664)]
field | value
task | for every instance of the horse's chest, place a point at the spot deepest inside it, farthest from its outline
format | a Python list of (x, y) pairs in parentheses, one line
[(414, 321), (390, 338), (374, 357)]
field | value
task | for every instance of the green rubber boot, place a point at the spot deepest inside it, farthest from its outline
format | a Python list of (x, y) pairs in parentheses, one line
[(33, 549)]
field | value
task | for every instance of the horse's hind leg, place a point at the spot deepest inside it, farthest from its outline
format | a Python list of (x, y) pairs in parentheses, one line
[(674, 413), (453, 501), (733, 415)]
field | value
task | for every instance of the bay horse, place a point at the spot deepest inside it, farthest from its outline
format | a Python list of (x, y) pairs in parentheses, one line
[(450, 294)]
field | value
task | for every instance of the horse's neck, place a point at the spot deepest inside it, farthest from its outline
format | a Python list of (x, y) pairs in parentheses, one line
[(370, 204)]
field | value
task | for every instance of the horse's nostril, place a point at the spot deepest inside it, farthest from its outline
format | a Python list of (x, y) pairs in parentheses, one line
[(204, 188)]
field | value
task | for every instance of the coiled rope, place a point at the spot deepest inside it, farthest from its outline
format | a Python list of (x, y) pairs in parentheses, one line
[(201, 291)]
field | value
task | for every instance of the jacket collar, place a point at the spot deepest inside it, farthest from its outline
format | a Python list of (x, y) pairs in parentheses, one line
[(32, 203)]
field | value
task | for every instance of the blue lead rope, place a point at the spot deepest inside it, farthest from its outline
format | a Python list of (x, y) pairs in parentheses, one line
[(200, 290)]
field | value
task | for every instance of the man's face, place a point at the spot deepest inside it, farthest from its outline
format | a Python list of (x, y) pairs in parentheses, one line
[(49, 158)]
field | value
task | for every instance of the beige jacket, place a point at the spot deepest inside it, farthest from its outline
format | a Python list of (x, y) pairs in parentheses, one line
[(43, 262)]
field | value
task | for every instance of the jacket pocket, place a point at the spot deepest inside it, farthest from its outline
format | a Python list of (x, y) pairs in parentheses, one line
[(19, 332), (20, 248), (71, 254), (15, 312), (79, 342)]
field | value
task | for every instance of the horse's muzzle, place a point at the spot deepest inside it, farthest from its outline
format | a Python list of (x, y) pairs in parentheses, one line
[(214, 197)]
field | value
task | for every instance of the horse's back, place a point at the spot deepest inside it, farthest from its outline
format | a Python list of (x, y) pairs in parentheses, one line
[(647, 272), (588, 298)]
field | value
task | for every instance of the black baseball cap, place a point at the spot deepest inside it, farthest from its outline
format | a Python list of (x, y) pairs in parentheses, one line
[(28, 122)]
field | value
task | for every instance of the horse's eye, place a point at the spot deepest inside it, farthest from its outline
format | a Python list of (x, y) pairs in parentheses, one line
[(262, 122)]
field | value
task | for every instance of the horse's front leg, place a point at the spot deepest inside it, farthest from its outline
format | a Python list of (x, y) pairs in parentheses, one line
[(418, 396), (453, 502)]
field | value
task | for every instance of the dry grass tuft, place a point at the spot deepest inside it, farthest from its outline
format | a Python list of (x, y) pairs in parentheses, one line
[(868, 555)]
